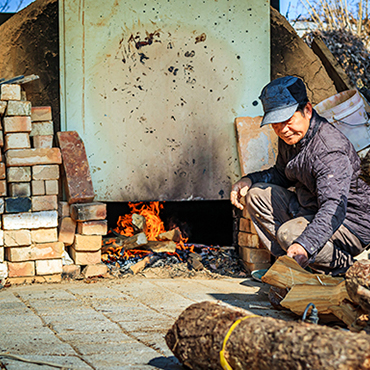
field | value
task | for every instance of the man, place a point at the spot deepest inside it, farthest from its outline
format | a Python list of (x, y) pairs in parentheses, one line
[(311, 205)]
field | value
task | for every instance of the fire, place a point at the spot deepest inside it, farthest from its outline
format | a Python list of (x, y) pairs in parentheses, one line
[(150, 211)]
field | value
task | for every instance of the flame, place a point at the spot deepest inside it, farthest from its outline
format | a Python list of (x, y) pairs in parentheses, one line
[(150, 211)]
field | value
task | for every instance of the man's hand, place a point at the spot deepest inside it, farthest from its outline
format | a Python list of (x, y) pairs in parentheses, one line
[(297, 252), (239, 190)]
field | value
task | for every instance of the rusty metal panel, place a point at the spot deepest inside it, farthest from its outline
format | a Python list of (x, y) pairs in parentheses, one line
[(153, 88)]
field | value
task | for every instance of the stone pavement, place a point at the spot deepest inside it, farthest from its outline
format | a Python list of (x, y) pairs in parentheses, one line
[(111, 324)]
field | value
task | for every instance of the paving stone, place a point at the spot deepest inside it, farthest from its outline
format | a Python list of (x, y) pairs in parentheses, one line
[(48, 267), (43, 141), (86, 326), (46, 172), (41, 114), (85, 258), (87, 243), (18, 108), (34, 220), (17, 124), (20, 189), (44, 235), (18, 174), (78, 182), (17, 238), (10, 92), (19, 140), (31, 157), (92, 227), (67, 230), (38, 187), (44, 203), (88, 211), (18, 204)]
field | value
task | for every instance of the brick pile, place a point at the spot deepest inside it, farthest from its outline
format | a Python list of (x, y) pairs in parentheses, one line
[(38, 232), (31, 250), (82, 221)]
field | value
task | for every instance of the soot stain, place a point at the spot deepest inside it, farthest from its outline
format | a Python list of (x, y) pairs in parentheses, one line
[(201, 38)]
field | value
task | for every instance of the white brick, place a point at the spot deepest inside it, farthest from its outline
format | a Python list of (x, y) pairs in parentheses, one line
[(19, 140), (10, 92), (3, 270), (33, 220), (17, 238), (1, 237), (2, 254), (48, 267), (51, 187), (38, 187), (18, 174), (19, 189), (42, 128), (46, 172)]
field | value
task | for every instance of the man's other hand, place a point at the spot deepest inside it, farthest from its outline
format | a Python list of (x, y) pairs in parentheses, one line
[(239, 190), (297, 252)]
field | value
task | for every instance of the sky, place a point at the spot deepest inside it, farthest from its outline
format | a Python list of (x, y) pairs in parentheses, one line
[(294, 9), (15, 5)]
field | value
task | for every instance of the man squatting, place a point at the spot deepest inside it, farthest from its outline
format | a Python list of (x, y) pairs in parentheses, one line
[(325, 221)]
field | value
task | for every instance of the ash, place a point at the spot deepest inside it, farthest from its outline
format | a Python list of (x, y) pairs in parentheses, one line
[(196, 260)]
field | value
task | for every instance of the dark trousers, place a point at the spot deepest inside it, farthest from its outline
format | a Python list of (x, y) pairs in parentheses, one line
[(277, 225)]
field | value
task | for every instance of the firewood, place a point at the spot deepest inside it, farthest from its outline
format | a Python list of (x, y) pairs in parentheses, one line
[(140, 266), (197, 337), (138, 223), (322, 297), (286, 272), (159, 247), (174, 235), (134, 242), (358, 284)]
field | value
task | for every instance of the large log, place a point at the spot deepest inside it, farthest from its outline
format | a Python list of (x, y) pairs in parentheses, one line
[(257, 343), (358, 284)]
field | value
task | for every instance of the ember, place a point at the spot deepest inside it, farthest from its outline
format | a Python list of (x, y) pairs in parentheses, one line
[(140, 240)]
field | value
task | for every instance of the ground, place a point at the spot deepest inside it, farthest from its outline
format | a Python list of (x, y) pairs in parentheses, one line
[(113, 324)]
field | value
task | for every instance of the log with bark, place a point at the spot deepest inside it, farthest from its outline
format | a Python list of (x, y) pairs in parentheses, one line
[(197, 337), (358, 284)]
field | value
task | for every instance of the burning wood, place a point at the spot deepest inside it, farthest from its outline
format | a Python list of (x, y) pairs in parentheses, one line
[(141, 234)]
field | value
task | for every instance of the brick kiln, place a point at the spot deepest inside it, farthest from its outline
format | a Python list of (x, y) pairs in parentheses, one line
[(36, 229)]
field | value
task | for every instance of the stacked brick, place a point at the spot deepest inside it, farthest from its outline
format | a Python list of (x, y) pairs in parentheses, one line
[(253, 254), (30, 218), (82, 221)]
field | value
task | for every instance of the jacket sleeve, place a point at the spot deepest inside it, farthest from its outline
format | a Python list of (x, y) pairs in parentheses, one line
[(333, 173), (276, 174)]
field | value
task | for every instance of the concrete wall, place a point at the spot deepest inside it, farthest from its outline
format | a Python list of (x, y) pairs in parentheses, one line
[(153, 89)]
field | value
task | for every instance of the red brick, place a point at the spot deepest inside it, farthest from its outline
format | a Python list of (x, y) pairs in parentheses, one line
[(92, 227), (17, 124), (255, 255), (88, 211), (43, 141), (3, 192), (67, 230), (31, 157), (41, 114), (85, 258), (17, 269), (87, 243), (2, 171), (95, 270), (78, 183)]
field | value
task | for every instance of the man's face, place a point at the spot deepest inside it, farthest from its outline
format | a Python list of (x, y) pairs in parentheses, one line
[(295, 128)]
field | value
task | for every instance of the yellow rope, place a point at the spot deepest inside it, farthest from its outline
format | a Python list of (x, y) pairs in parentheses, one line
[(225, 365)]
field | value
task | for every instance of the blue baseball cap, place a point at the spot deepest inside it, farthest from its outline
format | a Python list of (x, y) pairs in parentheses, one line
[(281, 98)]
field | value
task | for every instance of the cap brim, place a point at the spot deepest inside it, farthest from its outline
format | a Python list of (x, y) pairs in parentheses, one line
[(279, 115)]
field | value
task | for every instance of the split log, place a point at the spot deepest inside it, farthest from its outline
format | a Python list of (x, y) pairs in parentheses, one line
[(358, 284), (159, 247), (138, 223), (140, 266), (174, 235), (197, 337), (286, 272), (323, 297), (135, 242)]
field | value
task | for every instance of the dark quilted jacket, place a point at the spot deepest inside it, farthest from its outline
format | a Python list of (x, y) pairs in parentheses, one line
[(324, 168)]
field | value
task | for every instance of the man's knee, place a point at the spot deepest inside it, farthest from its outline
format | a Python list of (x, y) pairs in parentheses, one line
[(290, 230)]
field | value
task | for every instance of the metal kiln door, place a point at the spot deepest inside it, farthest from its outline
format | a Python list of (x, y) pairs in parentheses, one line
[(153, 88)]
